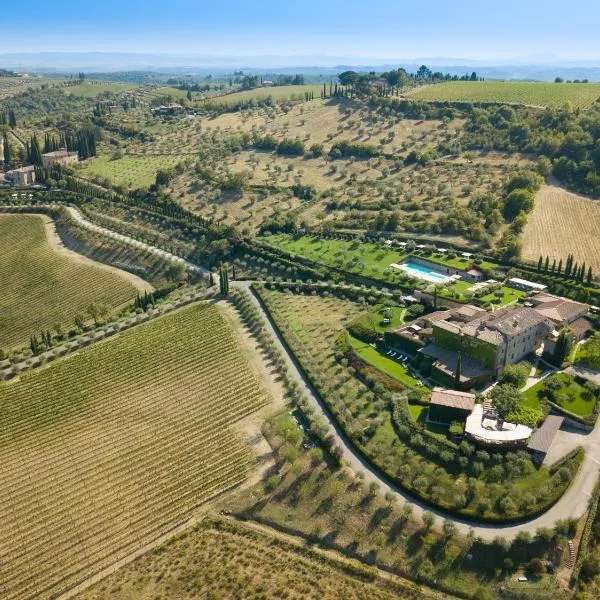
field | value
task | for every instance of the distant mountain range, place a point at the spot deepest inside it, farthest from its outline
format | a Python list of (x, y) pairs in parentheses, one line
[(539, 67)]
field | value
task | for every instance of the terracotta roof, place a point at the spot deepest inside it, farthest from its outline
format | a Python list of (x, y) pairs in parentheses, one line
[(542, 438), (452, 399), (558, 309), (59, 154), (581, 326), (516, 321)]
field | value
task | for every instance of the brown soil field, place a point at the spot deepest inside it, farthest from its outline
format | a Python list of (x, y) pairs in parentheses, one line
[(563, 223)]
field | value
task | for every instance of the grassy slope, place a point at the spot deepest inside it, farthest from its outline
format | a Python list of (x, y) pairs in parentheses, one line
[(117, 443), (130, 171), (383, 363), (91, 89), (231, 560), (576, 403), (581, 95), (282, 92), (41, 287)]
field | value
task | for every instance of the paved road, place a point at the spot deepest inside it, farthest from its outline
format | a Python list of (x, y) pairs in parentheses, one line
[(573, 503)]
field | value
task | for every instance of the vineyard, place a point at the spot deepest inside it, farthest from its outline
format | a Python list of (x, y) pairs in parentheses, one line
[(41, 287), (109, 449), (553, 95), (129, 171), (563, 223)]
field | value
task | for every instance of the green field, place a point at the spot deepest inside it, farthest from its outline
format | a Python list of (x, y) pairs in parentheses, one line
[(41, 287), (387, 365), (91, 89), (110, 448), (374, 260), (278, 93), (130, 171), (553, 95), (571, 395)]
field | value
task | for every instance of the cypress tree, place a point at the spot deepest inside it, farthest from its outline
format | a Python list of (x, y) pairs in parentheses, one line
[(553, 266), (539, 268), (7, 156), (574, 271), (582, 272), (546, 264), (562, 348), (457, 373), (560, 266), (589, 275)]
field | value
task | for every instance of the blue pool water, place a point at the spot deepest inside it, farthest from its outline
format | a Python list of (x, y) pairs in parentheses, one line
[(422, 272)]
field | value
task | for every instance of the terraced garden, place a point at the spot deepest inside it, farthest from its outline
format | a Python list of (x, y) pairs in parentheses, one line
[(109, 449), (41, 287)]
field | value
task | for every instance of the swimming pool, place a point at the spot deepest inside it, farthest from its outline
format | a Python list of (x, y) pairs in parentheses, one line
[(416, 270)]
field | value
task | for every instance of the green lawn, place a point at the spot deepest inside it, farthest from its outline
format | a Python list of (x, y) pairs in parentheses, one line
[(580, 95), (386, 365), (571, 396), (375, 318), (588, 354)]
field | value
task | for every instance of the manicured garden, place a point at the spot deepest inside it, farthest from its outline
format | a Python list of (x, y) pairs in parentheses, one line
[(373, 260), (563, 390), (462, 479), (588, 354)]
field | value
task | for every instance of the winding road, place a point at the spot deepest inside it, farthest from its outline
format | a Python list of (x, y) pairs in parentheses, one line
[(573, 504)]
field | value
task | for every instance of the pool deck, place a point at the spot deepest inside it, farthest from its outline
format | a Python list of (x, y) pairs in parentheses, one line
[(424, 273)]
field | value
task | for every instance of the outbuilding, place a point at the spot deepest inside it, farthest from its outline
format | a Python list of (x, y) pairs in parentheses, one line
[(446, 406)]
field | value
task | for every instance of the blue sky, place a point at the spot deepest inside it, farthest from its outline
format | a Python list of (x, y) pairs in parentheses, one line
[(484, 29)]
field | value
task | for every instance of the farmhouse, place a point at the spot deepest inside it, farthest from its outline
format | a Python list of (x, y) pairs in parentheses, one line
[(561, 311), (486, 342), (58, 157), (446, 406), (22, 176)]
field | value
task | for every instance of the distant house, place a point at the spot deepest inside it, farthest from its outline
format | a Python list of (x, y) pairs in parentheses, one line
[(58, 157), (446, 406), (22, 176), (267, 83)]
